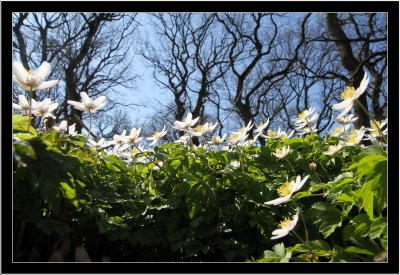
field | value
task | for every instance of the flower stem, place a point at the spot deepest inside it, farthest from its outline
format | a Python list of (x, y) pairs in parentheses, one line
[(373, 120), (304, 222), (30, 108), (297, 235), (90, 124), (344, 131), (294, 171)]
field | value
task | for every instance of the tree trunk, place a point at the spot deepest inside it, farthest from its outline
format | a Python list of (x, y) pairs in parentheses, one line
[(350, 64)]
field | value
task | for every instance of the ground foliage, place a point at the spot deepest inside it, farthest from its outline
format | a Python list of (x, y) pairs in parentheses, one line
[(196, 206)]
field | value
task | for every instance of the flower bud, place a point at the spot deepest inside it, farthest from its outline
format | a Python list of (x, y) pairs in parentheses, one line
[(312, 166)]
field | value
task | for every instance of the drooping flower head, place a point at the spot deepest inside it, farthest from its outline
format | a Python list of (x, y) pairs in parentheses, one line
[(32, 80)]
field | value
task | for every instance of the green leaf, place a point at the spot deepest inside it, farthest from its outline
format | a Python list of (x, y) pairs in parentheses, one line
[(279, 249), (69, 193), (354, 249), (345, 198), (20, 124), (378, 227), (327, 217), (368, 199)]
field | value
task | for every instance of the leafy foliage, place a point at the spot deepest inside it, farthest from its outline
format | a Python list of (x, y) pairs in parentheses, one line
[(196, 206)]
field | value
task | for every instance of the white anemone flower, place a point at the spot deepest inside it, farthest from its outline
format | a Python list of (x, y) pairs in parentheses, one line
[(284, 135), (62, 127), (119, 140), (32, 80), (287, 189), (87, 105), (245, 129), (185, 139), (307, 130), (304, 118), (217, 140), (209, 128), (197, 131), (132, 139), (345, 119), (286, 226), (71, 130), (338, 131), (43, 108), (281, 153), (376, 126), (23, 104), (354, 137), (261, 127), (202, 129), (237, 137), (233, 165), (273, 134), (350, 95), (102, 143), (157, 136), (186, 124), (333, 149)]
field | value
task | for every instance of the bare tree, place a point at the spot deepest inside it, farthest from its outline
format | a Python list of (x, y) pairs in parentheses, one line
[(368, 55), (257, 61), (190, 59), (89, 52)]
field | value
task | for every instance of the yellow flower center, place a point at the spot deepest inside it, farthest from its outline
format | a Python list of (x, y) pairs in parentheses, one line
[(284, 223), (348, 93), (284, 137), (272, 133), (232, 137), (133, 151), (337, 130), (199, 128), (155, 133), (375, 127), (284, 189), (351, 139), (303, 115)]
